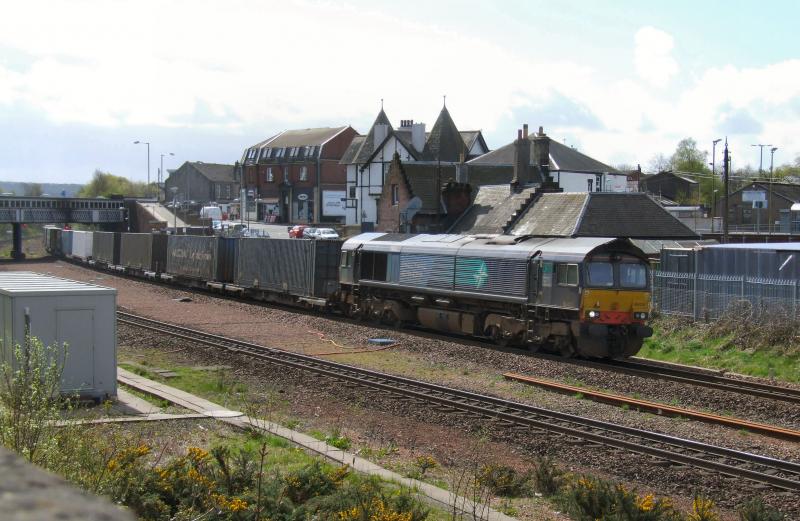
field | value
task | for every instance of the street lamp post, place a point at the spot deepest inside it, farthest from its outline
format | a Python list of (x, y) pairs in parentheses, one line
[(174, 191), (769, 199), (148, 159), (161, 171), (713, 170)]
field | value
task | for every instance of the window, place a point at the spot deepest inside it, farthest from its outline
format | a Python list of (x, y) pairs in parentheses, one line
[(395, 195), (218, 191), (353, 192), (311, 151), (373, 265), (632, 275), (601, 274), (227, 191), (345, 259), (293, 152), (265, 153), (304, 173), (270, 175), (279, 152), (567, 274)]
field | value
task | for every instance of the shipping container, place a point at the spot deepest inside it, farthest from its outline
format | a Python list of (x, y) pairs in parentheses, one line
[(52, 240), (192, 256), (227, 258), (66, 242), (105, 247), (63, 312), (136, 250), (305, 268), (82, 244), (159, 260)]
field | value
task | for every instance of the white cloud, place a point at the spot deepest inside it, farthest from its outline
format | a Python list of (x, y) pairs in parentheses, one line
[(653, 56)]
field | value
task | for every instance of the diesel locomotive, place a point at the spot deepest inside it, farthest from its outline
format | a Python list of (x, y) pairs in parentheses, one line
[(585, 297)]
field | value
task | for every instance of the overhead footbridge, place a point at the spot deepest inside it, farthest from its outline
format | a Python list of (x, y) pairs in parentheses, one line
[(17, 211)]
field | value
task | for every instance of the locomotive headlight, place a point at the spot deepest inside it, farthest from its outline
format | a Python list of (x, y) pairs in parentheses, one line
[(593, 314), (640, 315)]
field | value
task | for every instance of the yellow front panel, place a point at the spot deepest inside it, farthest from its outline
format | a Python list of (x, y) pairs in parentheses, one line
[(618, 300)]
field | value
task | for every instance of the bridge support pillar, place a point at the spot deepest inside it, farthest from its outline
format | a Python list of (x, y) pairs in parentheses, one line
[(16, 250)]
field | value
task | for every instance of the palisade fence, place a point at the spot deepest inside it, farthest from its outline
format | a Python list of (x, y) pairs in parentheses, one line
[(707, 297)]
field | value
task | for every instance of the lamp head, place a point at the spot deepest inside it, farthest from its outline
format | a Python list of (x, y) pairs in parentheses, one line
[(774, 149), (717, 141), (136, 142)]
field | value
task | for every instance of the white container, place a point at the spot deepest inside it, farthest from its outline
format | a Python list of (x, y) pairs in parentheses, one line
[(82, 244), (63, 311)]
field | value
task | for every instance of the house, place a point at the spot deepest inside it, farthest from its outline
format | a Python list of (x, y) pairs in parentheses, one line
[(436, 155), (675, 187), (202, 182), (296, 175), (763, 206), (571, 169), (416, 199)]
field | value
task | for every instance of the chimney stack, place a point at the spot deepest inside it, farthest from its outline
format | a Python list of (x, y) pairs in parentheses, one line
[(418, 136), (522, 159), (541, 154)]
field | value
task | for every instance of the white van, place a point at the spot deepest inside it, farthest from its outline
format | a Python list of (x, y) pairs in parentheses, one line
[(211, 212)]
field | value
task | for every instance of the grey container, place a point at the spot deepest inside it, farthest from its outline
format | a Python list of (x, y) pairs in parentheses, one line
[(299, 267), (63, 311), (105, 247), (66, 242), (192, 256), (159, 258), (136, 250)]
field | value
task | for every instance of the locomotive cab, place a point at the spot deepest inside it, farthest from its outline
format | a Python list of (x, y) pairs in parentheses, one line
[(615, 303)]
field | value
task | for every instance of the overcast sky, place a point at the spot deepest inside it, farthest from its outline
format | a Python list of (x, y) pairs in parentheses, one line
[(622, 81)]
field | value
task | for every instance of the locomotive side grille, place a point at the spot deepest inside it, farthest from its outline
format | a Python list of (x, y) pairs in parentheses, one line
[(427, 271), (495, 276)]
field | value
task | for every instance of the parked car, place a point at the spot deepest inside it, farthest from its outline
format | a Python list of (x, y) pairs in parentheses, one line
[(297, 231), (321, 233), (309, 233)]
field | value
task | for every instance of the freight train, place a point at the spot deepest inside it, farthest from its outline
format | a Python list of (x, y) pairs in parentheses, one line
[(586, 297)]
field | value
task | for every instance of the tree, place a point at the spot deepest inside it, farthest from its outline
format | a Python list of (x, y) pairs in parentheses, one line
[(659, 163), (687, 158), (32, 189), (104, 184)]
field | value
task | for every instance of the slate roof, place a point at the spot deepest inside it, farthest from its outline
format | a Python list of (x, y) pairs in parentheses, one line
[(493, 208), (303, 137), (352, 150), (367, 146), (562, 157), (789, 191), (426, 184), (552, 215), (635, 215), (444, 141), (214, 172)]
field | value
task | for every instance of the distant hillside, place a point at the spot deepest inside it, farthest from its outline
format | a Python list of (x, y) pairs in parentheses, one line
[(54, 189)]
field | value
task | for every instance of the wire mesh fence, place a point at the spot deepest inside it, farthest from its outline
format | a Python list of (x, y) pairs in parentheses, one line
[(708, 297)]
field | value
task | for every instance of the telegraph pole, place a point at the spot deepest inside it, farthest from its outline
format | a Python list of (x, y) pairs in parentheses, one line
[(726, 166)]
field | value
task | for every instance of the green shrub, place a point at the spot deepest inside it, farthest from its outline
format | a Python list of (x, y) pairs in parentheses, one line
[(587, 499), (503, 480), (756, 510), (547, 477)]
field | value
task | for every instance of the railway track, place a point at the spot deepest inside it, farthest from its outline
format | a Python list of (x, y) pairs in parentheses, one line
[(640, 367), (751, 468)]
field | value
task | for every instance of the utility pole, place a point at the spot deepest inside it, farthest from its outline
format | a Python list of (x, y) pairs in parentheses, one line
[(769, 199), (713, 178), (726, 167), (760, 157)]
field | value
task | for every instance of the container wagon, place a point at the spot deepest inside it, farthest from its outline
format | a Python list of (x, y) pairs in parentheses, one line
[(192, 257), (105, 248), (82, 245), (136, 251)]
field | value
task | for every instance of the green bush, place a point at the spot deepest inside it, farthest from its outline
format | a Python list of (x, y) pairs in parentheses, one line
[(756, 510), (588, 498), (503, 480), (547, 477)]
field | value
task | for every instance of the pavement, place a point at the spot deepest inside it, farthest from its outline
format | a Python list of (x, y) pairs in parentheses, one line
[(442, 498), (162, 213)]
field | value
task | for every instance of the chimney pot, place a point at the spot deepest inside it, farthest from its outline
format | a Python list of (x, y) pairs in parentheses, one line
[(519, 134), (541, 131), (525, 131)]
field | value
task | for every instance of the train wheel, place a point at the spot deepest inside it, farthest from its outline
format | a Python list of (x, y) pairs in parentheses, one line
[(496, 334), (567, 348)]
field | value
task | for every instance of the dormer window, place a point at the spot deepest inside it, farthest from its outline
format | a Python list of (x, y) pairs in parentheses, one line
[(293, 152), (265, 153)]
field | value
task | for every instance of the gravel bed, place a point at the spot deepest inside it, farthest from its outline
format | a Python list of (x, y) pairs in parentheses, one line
[(374, 415)]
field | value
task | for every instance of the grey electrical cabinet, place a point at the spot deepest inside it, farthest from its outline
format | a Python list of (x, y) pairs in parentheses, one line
[(63, 312)]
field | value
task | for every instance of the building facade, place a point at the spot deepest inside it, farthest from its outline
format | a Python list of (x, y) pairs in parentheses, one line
[(296, 176), (670, 186), (571, 169), (202, 183), (763, 206), (367, 160)]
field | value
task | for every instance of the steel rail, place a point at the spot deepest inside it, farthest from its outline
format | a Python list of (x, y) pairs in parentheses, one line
[(640, 367), (761, 469)]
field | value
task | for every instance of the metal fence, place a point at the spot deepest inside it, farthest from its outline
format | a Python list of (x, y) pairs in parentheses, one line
[(708, 297)]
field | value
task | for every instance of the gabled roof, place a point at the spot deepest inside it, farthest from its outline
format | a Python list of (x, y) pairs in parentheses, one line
[(471, 136), (562, 158), (352, 150), (367, 147), (303, 137), (444, 142), (493, 208), (214, 171), (788, 191), (667, 173)]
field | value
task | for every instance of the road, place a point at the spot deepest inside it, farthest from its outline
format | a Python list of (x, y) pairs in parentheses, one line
[(161, 213)]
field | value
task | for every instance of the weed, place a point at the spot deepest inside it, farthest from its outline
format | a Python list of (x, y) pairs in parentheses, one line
[(547, 477), (503, 480), (579, 396), (337, 440), (425, 463), (756, 510)]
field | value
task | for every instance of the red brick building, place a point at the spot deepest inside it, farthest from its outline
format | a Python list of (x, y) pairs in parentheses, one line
[(296, 176), (421, 198)]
